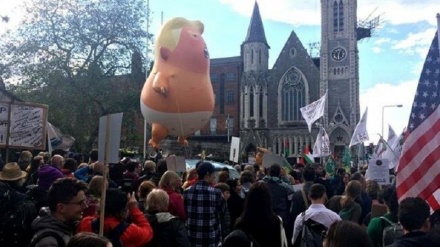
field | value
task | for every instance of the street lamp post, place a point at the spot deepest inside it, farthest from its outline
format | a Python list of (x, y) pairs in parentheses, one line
[(383, 108)]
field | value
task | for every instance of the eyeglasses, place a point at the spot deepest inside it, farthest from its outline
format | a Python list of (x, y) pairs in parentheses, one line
[(80, 203)]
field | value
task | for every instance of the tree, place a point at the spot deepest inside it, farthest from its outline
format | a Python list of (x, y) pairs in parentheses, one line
[(75, 56)]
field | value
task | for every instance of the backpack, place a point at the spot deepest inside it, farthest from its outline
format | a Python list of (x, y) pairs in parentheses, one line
[(391, 232), (16, 220), (114, 235), (346, 213), (58, 238), (239, 237), (312, 233)]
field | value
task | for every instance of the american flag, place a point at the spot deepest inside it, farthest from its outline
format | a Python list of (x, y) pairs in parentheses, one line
[(418, 173)]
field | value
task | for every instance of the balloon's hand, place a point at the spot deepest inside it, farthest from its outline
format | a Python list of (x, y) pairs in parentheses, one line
[(160, 84)]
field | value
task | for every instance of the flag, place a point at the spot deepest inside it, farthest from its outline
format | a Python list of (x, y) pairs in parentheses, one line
[(391, 153), (58, 140), (418, 173), (313, 111), (346, 157), (308, 157), (330, 166), (397, 149), (360, 134), (322, 145), (286, 148), (379, 152)]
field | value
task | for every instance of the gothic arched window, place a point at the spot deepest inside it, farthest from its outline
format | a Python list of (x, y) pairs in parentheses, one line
[(293, 95), (338, 16), (251, 102)]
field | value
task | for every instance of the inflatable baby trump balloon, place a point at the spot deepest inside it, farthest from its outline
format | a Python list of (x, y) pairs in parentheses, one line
[(177, 98)]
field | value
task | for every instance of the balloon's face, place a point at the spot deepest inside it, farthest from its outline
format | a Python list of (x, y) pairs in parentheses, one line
[(191, 53)]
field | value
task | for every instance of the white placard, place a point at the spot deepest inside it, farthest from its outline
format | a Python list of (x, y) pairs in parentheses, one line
[(235, 147), (379, 173), (270, 159), (109, 138), (176, 163), (26, 123)]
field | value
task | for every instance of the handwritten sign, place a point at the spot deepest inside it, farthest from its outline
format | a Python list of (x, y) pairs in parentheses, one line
[(23, 125)]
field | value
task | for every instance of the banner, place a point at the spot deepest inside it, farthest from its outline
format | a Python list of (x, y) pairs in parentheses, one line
[(314, 111), (360, 134), (322, 144), (58, 140)]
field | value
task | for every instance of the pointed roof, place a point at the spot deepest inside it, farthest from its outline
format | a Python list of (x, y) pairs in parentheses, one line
[(256, 30)]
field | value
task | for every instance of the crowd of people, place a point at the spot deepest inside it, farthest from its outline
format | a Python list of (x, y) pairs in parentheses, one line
[(57, 200)]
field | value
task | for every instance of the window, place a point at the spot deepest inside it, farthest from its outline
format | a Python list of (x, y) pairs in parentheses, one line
[(251, 102), (229, 97), (292, 95), (230, 77), (214, 78), (230, 123), (213, 126), (338, 16)]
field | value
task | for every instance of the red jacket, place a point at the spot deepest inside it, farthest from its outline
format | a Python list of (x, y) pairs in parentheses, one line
[(175, 206), (138, 233)]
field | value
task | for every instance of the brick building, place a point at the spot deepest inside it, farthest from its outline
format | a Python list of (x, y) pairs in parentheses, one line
[(262, 105)]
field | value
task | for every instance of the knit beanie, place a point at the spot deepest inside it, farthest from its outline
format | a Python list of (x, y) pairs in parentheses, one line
[(47, 175)]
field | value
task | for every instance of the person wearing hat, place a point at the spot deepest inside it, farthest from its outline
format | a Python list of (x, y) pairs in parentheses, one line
[(46, 177), (16, 210), (13, 178)]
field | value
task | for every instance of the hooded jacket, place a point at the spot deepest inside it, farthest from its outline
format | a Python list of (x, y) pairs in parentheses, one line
[(46, 222), (168, 229)]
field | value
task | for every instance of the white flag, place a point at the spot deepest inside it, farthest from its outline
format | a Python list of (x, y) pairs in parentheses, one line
[(360, 133), (313, 111), (322, 145), (396, 148), (389, 152), (58, 140)]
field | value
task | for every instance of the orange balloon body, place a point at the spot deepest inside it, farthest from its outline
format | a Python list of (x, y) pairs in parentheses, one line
[(177, 98)]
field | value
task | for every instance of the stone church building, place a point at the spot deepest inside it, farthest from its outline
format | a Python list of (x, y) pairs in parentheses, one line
[(268, 100)]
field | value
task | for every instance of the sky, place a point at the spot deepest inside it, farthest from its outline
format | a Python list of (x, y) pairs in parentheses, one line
[(390, 61)]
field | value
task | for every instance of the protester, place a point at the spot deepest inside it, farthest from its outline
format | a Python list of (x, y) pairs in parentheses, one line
[(144, 189), (414, 217), (346, 234), (377, 224), (169, 230), (88, 239), (280, 191), (67, 201), (117, 203), (24, 160), (16, 210), (93, 195), (235, 202), (346, 205), (190, 179), (364, 200), (148, 171), (161, 169), (317, 212), (171, 183), (32, 170), (205, 209), (259, 221), (300, 201)]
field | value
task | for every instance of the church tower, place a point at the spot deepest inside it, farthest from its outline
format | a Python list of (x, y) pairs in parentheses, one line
[(253, 90), (339, 70)]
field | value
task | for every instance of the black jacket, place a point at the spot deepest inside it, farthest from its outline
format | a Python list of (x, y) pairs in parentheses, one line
[(417, 239), (169, 231)]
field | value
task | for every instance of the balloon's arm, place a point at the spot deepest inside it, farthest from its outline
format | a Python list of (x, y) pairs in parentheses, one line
[(160, 83)]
